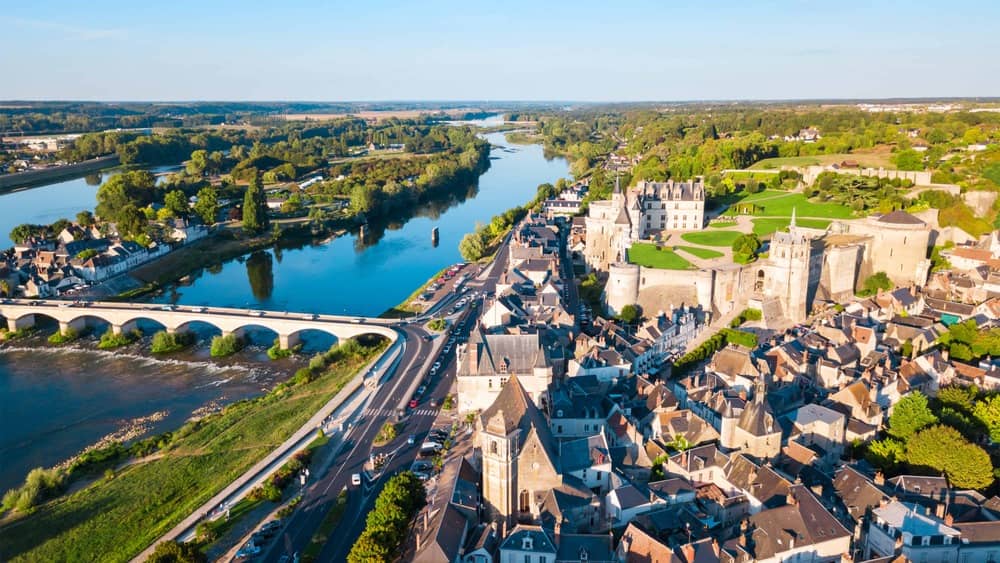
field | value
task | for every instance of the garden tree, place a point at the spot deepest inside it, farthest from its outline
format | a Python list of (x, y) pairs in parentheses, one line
[(171, 551), (591, 289), (909, 415), (255, 218), (207, 206), (987, 412), (365, 199), (907, 348), (875, 282), (958, 397), (136, 188), (472, 246), (908, 159), (745, 248), (85, 218), (886, 454), (5, 289), (177, 203), (942, 448), (629, 314)]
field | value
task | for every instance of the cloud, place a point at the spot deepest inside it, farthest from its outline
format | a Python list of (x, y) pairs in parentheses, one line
[(69, 31)]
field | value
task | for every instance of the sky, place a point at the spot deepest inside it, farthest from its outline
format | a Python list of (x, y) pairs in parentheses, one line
[(498, 50)]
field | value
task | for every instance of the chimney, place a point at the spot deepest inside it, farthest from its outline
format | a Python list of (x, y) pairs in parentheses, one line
[(949, 519), (944, 354), (688, 551), (743, 394), (879, 478), (790, 499), (939, 510)]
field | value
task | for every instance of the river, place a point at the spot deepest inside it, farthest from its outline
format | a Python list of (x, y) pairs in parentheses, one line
[(56, 402)]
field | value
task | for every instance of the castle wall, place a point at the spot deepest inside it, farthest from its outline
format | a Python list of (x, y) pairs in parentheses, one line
[(841, 267), (919, 178), (898, 250)]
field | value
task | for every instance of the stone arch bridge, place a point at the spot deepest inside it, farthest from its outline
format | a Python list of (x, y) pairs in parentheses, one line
[(123, 317)]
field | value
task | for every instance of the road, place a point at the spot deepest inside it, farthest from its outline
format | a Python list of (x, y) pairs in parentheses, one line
[(320, 497)]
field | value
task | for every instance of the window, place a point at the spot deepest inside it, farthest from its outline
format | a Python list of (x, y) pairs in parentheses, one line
[(524, 505), (493, 447), (527, 558)]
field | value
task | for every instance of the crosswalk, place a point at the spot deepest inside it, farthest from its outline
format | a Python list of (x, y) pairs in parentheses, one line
[(369, 412)]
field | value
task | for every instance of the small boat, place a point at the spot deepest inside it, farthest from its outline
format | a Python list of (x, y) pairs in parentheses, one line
[(434, 234)]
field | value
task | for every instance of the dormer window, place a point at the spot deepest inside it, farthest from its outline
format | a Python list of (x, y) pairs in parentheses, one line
[(503, 365), (527, 543)]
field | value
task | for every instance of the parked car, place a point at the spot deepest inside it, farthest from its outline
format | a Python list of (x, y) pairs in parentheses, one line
[(256, 313), (412, 439), (437, 365), (434, 402), (356, 479), (414, 403)]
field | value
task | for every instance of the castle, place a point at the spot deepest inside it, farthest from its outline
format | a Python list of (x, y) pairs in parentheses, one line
[(645, 212), (801, 265)]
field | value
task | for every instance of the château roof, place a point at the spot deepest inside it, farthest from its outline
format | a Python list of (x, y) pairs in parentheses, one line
[(900, 217)]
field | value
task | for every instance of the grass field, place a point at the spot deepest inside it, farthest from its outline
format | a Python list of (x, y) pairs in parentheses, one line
[(113, 520), (712, 238), (665, 259), (764, 227), (700, 252), (873, 159), (781, 204)]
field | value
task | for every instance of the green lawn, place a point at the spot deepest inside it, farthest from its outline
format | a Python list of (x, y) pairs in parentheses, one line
[(647, 255), (700, 252), (764, 227), (781, 204), (712, 238), (778, 162), (114, 520)]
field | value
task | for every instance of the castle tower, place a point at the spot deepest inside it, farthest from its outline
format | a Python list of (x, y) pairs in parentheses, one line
[(790, 254), (499, 436), (617, 197), (622, 287)]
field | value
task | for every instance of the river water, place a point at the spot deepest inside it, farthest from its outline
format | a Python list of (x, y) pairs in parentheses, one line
[(53, 403)]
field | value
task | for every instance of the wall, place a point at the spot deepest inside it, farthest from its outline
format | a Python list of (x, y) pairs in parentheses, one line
[(810, 173)]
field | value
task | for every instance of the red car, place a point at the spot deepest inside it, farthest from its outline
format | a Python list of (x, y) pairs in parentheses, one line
[(413, 403)]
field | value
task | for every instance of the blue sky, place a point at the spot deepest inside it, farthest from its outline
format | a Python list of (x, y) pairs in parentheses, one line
[(504, 50)]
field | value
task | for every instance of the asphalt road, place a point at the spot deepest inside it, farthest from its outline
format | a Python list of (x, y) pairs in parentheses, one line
[(320, 497)]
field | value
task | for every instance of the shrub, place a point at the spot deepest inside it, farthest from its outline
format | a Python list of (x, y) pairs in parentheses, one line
[(110, 340), (437, 325), (63, 337), (746, 315), (39, 485), (165, 342), (875, 282), (226, 345), (387, 434), (276, 352)]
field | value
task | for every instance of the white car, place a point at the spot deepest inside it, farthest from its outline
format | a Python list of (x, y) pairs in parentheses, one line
[(256, 313), (356, 479)]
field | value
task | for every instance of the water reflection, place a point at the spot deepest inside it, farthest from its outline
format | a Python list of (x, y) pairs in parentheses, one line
[(260, 272)]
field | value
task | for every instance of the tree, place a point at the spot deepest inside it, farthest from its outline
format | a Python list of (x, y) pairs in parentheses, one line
[(23, 232), (136, 187), (472, 247), (207, 206), (198, 163), (131, 221), (255, 218), (942, 448), (85, 218), (987, 412), (908, 159), (172, 551), (875, 282), (176, 201), (909, 415), (629, 314), (745, 248), (5, 288), (370, 547), (961, 398), (886, 454)]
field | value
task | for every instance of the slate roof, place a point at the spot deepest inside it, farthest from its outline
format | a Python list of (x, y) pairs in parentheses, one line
[(805, 521), (856, 491), (900, 217), (763, 483)]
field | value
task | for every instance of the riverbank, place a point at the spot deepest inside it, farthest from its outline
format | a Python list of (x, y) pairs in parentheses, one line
[(122, 514), (29, 178), (406, 308)]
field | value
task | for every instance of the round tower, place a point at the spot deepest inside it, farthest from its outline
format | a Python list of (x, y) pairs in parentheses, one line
[(622, 288)]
